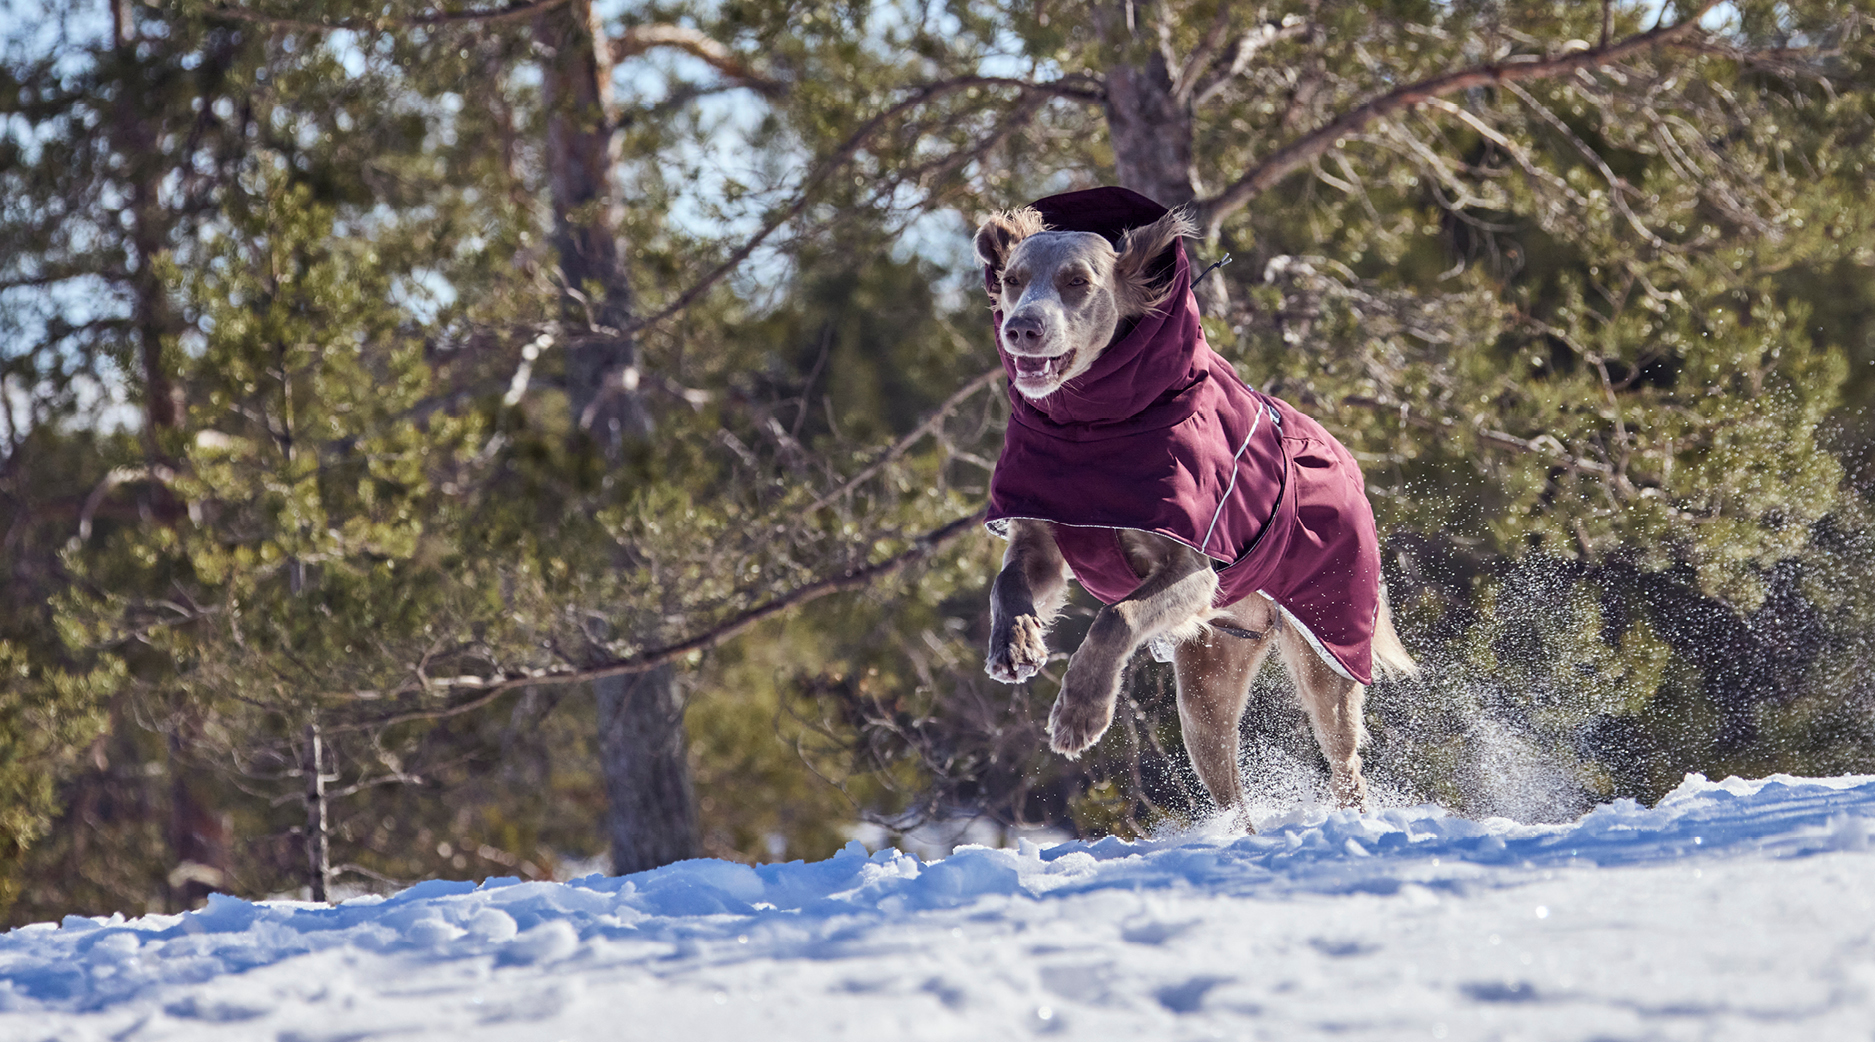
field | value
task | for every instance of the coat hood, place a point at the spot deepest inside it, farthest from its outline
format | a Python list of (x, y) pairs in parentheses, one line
[(1153, 361)]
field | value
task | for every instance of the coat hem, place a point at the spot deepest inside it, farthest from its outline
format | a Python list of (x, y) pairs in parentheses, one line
[(1328, 657)]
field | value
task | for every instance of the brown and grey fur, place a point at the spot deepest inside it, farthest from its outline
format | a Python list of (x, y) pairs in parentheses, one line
[(1063, 296)]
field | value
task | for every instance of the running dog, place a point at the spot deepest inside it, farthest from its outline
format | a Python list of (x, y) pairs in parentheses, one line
[(1213, 521)]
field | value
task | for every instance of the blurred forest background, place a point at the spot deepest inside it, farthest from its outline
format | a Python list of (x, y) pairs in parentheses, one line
[(458, 439)]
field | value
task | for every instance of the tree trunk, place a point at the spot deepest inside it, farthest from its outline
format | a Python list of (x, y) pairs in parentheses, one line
[(642, 742), (645, 751), (198, 835), (1151, 132), (133, 138), (1149, 125), (602, 358)]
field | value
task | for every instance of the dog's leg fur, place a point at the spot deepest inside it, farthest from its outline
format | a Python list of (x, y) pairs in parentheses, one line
[(1333, 703), (1214, 676), (1175, 595), (1023, 601)]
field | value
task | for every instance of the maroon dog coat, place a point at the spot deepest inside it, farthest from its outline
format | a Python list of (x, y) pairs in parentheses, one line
[(1161, 436)]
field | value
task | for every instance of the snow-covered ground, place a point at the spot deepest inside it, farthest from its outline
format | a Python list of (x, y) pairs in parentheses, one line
[(1733, 910)]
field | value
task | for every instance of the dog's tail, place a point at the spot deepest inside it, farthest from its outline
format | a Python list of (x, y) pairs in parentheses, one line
[(1391, 662)]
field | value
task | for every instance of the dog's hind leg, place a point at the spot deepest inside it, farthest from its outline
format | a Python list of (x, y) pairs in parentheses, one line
[(1333, 703), (1175, 594), (1214, 676)]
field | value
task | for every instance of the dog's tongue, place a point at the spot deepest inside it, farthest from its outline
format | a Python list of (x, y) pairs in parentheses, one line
[(1030, 364)]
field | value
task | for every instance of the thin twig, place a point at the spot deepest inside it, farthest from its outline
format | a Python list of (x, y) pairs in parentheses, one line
[(360, 870), (118, 476), (898, 448), (1517, 154)]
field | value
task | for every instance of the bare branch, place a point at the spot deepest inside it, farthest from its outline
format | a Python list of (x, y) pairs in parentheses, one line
[(438, 18), (1019, 118), (117, 476), (1297, 154), (490, 689), (641, 38)]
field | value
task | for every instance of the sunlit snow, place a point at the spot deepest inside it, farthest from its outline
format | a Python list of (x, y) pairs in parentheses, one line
[(1734, 910)]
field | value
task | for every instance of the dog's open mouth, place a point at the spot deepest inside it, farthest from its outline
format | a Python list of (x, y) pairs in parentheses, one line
[(1034, 369)]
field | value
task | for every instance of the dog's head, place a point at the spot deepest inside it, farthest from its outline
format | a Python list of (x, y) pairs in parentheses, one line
[(1063, 294)]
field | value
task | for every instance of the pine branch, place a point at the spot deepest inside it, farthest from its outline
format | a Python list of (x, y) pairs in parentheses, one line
[(1300, 153)]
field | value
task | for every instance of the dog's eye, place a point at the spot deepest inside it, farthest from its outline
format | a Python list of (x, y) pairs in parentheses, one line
[(1011, 282), (1078, 280)]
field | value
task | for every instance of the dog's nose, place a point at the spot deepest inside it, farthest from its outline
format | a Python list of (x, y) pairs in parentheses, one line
[(1023, 330)]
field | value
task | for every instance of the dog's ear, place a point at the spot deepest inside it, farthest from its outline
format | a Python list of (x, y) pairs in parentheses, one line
[(1135, 286), (1000, 232)]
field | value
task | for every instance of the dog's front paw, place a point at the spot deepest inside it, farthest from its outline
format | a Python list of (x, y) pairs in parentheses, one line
[(1084, 709), (1074, 726), (1019, 654)]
